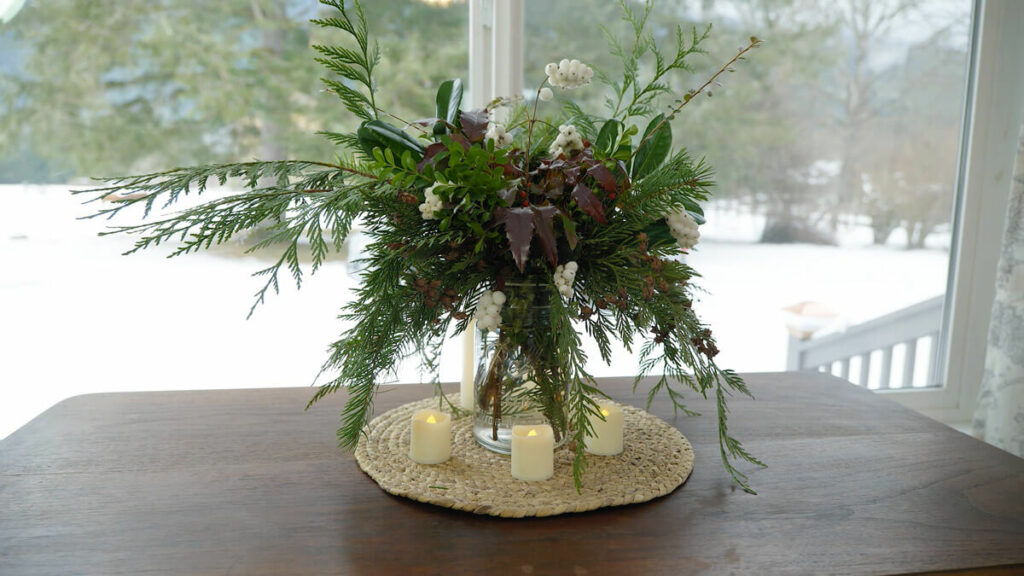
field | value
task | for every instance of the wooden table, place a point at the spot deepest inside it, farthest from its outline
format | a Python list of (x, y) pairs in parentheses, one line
[(245, 482)]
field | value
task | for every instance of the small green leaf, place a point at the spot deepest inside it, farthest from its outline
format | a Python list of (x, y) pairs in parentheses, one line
[(653, 152), (377, 134), (608, 137), (449, 98)]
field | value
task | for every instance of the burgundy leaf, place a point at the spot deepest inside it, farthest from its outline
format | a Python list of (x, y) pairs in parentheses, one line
[(474, 124), (570, 231), (543, 221), (603, 176), (572, 175), (429, 155), (462, 140), (519, 229), (589, 203), (554, 184)]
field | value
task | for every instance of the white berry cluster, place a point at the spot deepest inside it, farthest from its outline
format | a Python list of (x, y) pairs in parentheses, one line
[(565, 275), (488, 310), (567, 141), (684, 229), (431, 204), (568, 74), (497, 133)]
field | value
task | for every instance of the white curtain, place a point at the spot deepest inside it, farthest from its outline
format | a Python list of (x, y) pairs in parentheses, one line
[(999, 417)]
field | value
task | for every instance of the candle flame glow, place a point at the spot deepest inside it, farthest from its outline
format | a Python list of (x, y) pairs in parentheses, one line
[(604, 412), (531, 433), (431, 419)]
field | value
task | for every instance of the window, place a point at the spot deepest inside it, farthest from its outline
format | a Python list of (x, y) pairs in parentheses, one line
[(851, 156), (846, 175), (94, 88)]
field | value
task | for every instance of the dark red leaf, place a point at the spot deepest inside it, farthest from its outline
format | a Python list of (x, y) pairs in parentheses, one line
[(554, 184), (604, 177), (429, 155), (473, 124), (519, 229), (589, 203), (543, 221), (462, 140)]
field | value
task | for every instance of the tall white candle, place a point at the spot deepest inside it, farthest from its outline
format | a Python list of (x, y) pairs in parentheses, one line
[(533, 452), (468, 346), (430, 439), (607, 436)]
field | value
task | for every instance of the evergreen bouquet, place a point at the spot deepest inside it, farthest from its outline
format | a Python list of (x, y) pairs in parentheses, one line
[(530, 228)]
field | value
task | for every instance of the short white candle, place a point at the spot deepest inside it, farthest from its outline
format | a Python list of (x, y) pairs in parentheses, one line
[(533, 452), (468, 346), (430, 441), (607, 436)]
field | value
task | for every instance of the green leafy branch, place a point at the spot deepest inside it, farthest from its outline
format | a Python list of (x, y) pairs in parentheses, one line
[(356, 66), (634, 98)]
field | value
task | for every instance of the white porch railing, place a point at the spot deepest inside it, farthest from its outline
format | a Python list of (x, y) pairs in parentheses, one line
[(865, 353)]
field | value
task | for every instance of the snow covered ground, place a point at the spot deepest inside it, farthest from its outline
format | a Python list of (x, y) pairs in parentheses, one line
[(76, 317)]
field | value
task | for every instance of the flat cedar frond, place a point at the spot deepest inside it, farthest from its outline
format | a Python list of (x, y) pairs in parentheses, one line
[(163, 189), (635, 98), (353, 65)]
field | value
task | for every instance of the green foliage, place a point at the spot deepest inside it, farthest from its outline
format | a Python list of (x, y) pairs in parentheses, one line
[(448, 101), (654, 147), (451, 215), (353, 65), (632, 95)]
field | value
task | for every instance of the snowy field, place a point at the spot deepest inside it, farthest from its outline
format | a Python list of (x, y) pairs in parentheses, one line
[(76, 317)]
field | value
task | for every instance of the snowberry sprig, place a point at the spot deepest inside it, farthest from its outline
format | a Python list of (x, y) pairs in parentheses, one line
[(488, 310), (684, 229), (431, 204), (565, 275), (567, 141), (569, 74), (497, 133)]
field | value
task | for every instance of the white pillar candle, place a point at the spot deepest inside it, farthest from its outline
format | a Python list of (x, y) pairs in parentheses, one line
[(533, 452), (607, 436), (468, 347), (430, 440)]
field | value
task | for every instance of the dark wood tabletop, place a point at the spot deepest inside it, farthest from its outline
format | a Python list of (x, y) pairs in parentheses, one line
[(246, 482)]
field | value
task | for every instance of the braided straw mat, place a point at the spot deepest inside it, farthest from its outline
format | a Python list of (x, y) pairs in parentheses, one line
[(656, 460)]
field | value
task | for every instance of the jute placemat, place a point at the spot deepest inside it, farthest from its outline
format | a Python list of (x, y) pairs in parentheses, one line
[(655, 461)]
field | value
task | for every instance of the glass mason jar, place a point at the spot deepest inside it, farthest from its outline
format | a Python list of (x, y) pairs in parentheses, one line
[(521, 377)]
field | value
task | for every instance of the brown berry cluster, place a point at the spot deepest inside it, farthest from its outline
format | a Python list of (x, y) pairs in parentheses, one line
[(432, 293), (407, 198), (662, 334), (619, 300), (657, 264), (704, 344)]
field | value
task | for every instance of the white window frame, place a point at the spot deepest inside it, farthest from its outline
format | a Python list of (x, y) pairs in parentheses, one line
[(993, 108)]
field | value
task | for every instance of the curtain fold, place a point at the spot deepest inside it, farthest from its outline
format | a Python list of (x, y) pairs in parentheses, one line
[(999, 416)]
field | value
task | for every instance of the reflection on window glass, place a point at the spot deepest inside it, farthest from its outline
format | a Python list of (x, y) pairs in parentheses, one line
[(835, 148), (106, 87)]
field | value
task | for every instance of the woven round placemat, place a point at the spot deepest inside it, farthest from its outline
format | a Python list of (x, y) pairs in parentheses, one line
[(656, 460)]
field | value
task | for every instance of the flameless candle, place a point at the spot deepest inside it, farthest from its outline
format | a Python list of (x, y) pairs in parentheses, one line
[(607, 435), (430, 439), (468, 344), (533, 452)]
